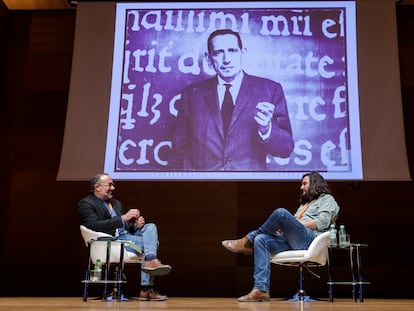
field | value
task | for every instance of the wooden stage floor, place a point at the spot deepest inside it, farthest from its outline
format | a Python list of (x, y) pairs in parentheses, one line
[(204, 304)]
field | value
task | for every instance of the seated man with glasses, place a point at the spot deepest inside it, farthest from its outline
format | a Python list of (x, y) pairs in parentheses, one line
[(99, 211)]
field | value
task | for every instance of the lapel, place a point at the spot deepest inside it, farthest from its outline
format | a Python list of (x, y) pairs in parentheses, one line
[(243, 98), (101, 206), (106, 209), (116, 207), (211, 100)]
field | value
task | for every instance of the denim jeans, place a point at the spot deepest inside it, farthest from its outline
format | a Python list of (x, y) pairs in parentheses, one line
[(147, 239), (266, 241)]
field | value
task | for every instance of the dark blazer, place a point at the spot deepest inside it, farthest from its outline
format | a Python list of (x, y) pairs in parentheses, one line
[(198, 141), (94, 215)]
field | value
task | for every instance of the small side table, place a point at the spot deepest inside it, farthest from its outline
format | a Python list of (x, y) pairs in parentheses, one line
[(105, 280), (357, 282)]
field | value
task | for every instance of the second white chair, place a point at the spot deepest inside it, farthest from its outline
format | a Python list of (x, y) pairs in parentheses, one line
[(315, 256)]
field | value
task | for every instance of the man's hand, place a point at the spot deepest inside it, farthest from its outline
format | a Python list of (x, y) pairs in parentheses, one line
[(311, 224), (264, 115), (140, 222), (132, 214)]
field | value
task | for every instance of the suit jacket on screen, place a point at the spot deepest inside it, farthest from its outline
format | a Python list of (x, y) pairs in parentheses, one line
[(199, 143)]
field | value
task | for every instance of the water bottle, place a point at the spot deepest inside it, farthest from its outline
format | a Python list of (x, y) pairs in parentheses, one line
[(332, 235), (342, 236), (97, 271)]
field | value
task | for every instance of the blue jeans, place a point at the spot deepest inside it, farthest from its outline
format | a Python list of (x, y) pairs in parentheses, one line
[(147, 239), (266, 241)]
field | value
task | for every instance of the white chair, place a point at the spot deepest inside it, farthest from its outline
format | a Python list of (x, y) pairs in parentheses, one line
[(315, 256), (103, 246), (98, 250)]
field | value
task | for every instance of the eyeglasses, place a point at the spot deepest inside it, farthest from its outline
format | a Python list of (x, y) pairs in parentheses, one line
[(108, 185)]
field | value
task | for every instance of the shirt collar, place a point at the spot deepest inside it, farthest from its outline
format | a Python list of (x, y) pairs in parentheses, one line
[(236, 83)]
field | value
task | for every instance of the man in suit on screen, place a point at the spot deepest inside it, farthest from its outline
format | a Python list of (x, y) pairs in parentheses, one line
[(232, 121)]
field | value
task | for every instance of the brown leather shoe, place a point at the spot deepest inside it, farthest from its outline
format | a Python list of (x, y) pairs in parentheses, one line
[(151, 295), (242, 245), (255, 296), (155, 267)]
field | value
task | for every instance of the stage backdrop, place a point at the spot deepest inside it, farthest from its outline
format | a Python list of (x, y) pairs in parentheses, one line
[(130, 64)]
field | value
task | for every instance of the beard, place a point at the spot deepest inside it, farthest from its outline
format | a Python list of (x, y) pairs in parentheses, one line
[(305, 197)]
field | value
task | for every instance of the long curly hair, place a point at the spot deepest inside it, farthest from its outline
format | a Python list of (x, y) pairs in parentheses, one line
[(317, 186)]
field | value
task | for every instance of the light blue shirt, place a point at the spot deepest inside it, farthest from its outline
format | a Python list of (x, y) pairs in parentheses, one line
[(323, 211)]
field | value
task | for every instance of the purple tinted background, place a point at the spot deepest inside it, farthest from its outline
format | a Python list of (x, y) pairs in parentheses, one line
[(153, 77)]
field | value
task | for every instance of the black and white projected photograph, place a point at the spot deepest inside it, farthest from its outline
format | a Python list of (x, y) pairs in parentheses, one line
[(234, 91)]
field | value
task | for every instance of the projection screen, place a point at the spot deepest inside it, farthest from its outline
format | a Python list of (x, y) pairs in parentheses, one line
[(132, 65)]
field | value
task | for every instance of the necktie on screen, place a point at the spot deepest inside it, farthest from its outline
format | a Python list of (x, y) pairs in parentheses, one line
[(227, 109)]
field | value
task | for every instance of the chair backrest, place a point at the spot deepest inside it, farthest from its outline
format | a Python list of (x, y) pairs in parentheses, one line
[(98, 249), (89, 234), (316, 254), (318, 249)]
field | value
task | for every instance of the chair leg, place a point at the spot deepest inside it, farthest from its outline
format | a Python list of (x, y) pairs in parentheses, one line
[(301, 295), (87, 274), (85, 286), (115, 292), (117, 288), (301, 292)]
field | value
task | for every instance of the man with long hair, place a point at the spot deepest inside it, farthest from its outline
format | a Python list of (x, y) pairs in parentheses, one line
[(283, 231)]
